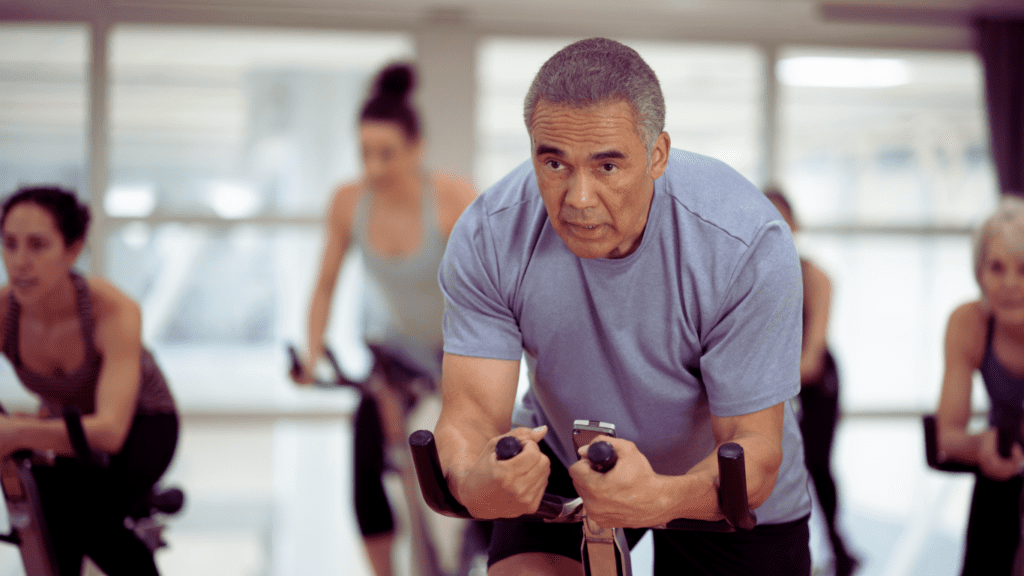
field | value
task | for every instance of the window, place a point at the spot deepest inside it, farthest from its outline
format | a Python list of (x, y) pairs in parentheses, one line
[(885, 160), (712, 99), (225, 147), (43, 103)]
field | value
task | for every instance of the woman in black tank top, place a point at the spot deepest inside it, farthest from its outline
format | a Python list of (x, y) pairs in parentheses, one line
[(987, 335), (77, 342), (819, 393)]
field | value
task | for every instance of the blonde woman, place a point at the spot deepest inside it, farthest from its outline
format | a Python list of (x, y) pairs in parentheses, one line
[(987, 336)]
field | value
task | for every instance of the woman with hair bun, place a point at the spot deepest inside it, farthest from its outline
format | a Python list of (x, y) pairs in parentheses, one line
[(76, 341), (400, 215)]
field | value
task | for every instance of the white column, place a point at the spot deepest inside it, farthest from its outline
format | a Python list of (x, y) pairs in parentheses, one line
[(770, 141), (446, 63), (98, 122)]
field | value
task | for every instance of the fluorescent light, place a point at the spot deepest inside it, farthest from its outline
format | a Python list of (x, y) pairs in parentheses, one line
[(130, 201), (233, 200), (843, 72)]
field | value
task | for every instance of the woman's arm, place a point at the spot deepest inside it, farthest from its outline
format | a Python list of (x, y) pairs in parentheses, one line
[(338, 227), (817, 306), (964, 350), (118, 339), (453, 196)]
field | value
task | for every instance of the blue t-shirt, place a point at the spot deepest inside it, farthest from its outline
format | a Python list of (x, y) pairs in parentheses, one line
[(704, 317)]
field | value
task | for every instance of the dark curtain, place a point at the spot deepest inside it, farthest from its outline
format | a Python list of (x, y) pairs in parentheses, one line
[(1000, 43)]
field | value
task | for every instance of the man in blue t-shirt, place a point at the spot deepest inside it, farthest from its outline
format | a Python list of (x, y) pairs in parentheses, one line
[(651, 288)]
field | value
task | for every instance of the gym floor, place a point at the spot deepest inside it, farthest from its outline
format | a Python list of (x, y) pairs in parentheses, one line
[(268, 496)]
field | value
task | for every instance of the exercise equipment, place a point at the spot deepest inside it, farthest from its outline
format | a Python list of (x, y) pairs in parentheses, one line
[(25, 512), (425, 558), (605, 552), (1006, 437)]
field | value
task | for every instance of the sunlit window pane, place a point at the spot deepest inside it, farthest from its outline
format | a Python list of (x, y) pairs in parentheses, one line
[(892, 296), (712, 99), (885, 138), (43, 104), (237, 123), (238, 290)]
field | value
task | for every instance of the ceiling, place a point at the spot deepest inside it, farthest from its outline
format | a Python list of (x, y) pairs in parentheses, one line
[(931, 24)]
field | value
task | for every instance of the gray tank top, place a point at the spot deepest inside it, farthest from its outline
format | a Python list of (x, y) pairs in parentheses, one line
[(79, 387), (406, 316)]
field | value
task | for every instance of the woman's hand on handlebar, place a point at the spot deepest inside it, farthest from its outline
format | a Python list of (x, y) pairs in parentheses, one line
[(630, 495), (992, 464), (494, 488), (299, 373)]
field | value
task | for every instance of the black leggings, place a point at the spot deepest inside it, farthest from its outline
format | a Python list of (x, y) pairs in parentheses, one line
[(85, 507), (993, 530), (819, 403)]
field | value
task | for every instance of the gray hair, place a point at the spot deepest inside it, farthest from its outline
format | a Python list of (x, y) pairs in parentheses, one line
[(1008, 221), (597, 71)]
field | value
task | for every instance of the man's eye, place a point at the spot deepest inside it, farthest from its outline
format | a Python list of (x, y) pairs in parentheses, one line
[(554, 164), (608, 167)]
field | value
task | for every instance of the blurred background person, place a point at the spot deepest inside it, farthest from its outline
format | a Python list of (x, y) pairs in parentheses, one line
[(987, 335), (819, 392), (76, 341), (399, 215)]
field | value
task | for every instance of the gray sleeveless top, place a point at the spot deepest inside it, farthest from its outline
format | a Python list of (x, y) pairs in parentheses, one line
[(1005, 390), (404, 306), (79, 387)]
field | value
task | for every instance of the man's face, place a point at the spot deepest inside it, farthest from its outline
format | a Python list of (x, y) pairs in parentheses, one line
[(594, 177)]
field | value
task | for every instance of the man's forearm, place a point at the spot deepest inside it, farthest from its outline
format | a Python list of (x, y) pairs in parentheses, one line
[(695, 494)]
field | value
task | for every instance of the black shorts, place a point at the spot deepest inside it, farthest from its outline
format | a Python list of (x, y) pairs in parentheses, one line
[(767, 550)]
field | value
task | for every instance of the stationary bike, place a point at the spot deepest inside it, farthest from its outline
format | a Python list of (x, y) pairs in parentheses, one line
[(25, 512), (604, 550), (426, 561), (1005, 438)]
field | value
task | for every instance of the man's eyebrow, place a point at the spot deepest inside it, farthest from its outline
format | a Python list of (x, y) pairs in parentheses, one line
[(543, 149), (607, 155)]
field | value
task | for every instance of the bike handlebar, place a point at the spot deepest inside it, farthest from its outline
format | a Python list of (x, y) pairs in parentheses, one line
[(296, 369), (1006, 438), (557, 509), (79, 443)]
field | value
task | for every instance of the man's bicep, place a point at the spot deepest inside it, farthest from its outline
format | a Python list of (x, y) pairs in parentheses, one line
[(478, 393), (765, 424)]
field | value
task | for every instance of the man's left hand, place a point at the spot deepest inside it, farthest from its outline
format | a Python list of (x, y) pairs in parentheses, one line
[(630, 495)]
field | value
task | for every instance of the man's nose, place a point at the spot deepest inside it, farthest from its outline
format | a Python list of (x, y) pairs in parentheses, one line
[(582, 193)]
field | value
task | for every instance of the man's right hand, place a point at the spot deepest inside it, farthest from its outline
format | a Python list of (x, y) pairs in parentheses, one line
[(494, 488)]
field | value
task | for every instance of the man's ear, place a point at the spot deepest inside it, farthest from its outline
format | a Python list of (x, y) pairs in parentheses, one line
[(659, 155)]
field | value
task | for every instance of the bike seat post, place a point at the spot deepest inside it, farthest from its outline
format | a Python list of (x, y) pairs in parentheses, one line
[(604, 551)]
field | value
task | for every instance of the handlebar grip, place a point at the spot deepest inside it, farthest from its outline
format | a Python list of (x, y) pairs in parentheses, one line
[(732, 491), (1006, 438), (76, 434), (433, 484), (602, 456), (296, 368), (508, 447)]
